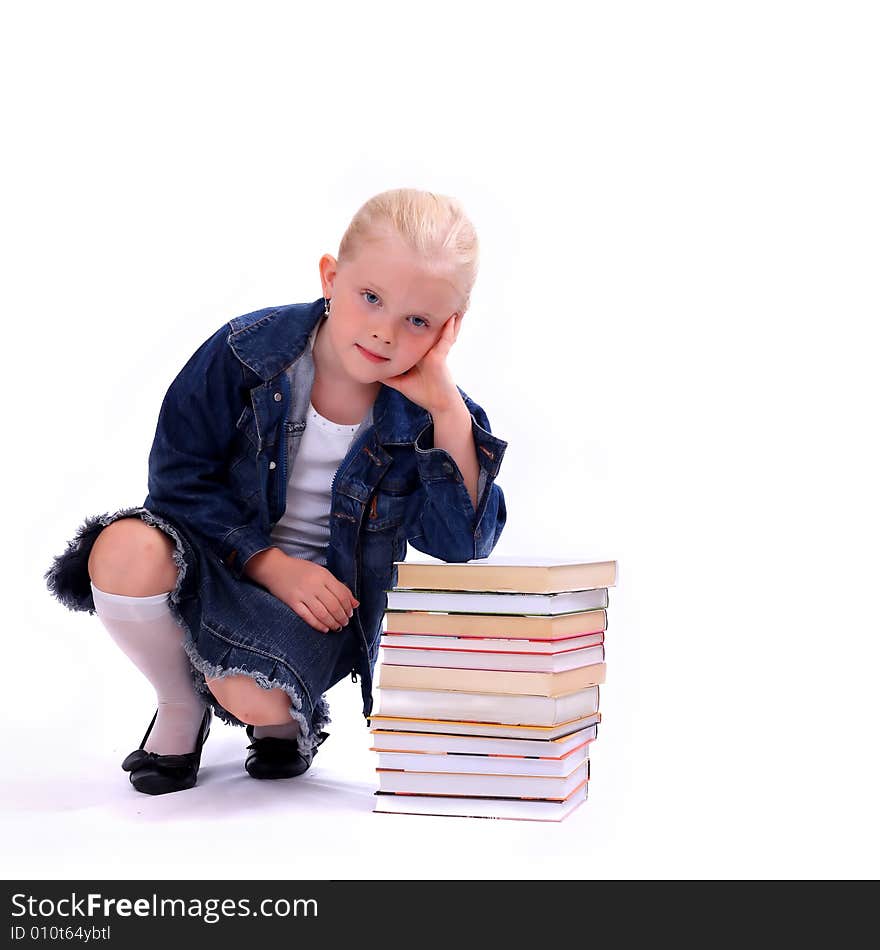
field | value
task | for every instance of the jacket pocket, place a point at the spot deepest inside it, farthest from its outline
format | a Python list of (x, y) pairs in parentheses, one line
[(385, 511), (383, 529)]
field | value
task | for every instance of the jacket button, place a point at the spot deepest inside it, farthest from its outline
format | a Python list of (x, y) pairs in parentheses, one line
[(271, 465), (277, 397)]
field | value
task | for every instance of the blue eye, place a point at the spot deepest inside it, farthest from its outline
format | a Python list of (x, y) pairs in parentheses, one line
[(421, 325)]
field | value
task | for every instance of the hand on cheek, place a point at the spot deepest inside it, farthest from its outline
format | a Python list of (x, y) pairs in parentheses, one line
[(429, 383)]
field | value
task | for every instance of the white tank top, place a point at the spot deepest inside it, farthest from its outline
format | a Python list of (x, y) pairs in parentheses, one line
[(304, 528)]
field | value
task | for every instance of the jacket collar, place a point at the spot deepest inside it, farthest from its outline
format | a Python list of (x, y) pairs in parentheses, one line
[(268, 341)]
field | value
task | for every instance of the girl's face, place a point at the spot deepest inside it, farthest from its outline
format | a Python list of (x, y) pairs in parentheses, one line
[(386, 301)]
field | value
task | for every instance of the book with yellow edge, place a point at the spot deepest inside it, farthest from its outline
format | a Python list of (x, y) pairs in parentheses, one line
[(476, 728), (391, 740), (440, 644), (510, 574), (490, 681), (508, 626)]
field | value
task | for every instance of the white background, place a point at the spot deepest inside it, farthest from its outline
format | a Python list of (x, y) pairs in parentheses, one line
[(674, 327)]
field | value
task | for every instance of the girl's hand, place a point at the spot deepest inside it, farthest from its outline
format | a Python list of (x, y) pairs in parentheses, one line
[(309, 589), (429, 383)]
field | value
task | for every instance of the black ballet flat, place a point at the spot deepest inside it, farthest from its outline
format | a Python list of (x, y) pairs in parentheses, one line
[(277, 758), (155, 774)]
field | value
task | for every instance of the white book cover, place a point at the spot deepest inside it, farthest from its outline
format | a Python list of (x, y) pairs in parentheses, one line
[(487, 707), (484, 764), (488, 602), (506, 786)]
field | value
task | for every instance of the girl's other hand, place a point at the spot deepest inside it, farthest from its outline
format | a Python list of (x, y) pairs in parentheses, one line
[(309, 589)]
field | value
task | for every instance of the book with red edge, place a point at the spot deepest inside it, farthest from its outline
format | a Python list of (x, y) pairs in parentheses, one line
[(482, 764), (523, 660)]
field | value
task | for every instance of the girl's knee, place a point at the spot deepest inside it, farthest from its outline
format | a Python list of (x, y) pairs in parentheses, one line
[(133, 558), (249, 702)]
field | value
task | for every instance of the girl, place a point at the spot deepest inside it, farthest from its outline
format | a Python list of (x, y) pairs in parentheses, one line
[(296, 454)]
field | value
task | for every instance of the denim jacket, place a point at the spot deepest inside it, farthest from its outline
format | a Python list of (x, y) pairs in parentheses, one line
[(228, 432)]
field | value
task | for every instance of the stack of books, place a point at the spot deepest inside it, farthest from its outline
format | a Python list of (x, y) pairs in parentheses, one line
[(488, 688)]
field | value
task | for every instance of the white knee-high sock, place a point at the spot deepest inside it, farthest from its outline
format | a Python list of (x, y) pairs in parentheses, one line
[(146, 632)]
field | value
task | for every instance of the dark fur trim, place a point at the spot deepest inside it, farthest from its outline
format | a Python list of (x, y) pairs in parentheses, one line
[(68, 578)]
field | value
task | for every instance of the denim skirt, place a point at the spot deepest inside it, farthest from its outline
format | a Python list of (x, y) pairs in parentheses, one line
[(230, 626)]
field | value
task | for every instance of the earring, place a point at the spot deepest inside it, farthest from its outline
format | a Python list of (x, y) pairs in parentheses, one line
[(326, 307)]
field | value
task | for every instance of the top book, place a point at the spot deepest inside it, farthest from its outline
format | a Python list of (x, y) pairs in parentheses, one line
[(507, 574)]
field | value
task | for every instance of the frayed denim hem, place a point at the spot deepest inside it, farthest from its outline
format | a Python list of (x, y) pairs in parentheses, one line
[(68, 578), (307, 740), (69, 582)]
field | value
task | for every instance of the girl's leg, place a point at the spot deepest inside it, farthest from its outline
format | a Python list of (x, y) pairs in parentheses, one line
[(132, 572), (268, 711)]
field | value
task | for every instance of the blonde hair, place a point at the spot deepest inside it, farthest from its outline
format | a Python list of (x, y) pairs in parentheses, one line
[(433, 226)]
